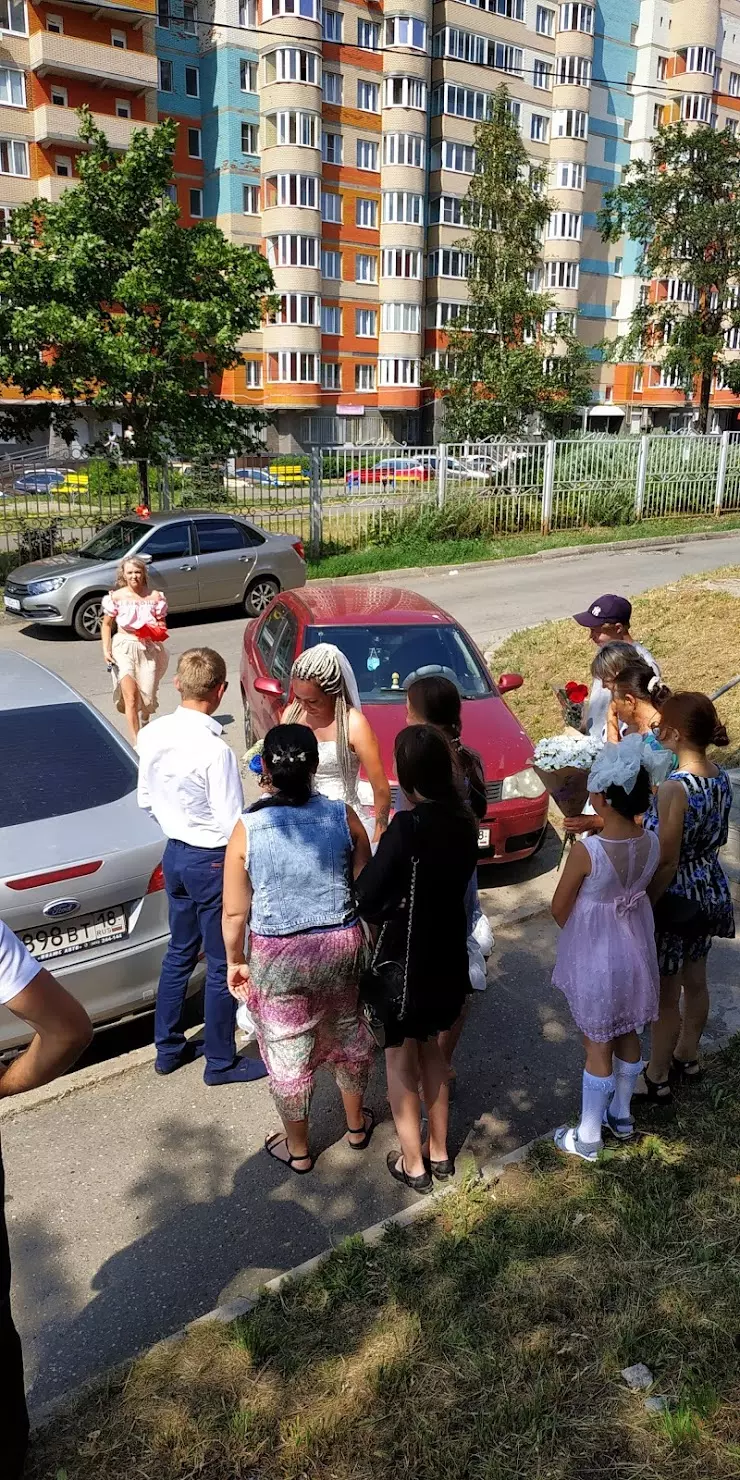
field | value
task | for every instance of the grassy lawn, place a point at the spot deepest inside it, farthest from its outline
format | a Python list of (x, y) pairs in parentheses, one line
[(693, 632), (454, 552), (482, 1343)]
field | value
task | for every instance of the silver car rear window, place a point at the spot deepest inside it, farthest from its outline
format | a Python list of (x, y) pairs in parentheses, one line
[(56, 759)]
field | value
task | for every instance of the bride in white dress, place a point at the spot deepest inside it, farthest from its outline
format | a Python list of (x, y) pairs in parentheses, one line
[(327, 699)]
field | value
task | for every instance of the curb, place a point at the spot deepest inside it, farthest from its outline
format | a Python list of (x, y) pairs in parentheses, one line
[(562, 552)]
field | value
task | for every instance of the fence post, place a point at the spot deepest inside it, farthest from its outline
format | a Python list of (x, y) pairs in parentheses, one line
[(441, 474), (165, 486), (642, 462), (315, 514), (719, 491), (548, 482)]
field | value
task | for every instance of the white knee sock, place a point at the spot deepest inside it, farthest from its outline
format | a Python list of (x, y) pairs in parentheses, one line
[(624, 1083), (596, 1092)]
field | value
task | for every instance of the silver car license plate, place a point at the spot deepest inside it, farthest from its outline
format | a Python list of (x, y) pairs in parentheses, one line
[(47, 941), (12, 604)]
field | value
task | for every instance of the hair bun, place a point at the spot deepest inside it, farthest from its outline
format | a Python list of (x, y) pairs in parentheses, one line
[(720, 736)]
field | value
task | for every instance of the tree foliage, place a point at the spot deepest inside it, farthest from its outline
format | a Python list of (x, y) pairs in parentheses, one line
[(503, 371), (682, 206), (107, 302)]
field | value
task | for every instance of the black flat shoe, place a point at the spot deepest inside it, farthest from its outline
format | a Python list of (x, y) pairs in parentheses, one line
[(686, 1071), (422, 1184), (363, 1130), (654, 1094), (442, 1171)]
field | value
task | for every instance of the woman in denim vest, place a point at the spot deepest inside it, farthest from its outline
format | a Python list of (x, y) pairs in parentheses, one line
[(289, 872)]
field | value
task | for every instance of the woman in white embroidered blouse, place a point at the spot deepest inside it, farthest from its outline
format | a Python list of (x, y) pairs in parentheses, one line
[(136, 653)]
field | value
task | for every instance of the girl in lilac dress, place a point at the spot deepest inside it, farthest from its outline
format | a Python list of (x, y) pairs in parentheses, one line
[(607, 964)]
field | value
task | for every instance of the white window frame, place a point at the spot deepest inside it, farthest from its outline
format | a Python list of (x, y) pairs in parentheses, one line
[(62, 166), (408, 31), (366, 323), (402, 262), (123, 108), (290, 187), (19, 75), (365, 377), (331, 206), (331, 318), (565, 226), (248, 75), (11, 30), (544, 21), (196, 73), (408, 149), (299, 308), (562, 273), (542, 74), (119, 40), (331, 257), (539, 128), (332, 87), (733, 85), (331, 375), (293, 64), (701, 59), (449, 262), (248, 15), (372, 145), (412, 92), (304, 126), (394, 371), (576, 16), (309, 10), (368, 35), (332, 25), (400, 318), (366, 267), (366, 213), (55, 24), (368, 95), (194, 191), (293, 249), (568, 175), (59, 96), (252, 137), (570, 123), (572, 71), (403, 206), (335, 154), (250, 200), (294, 367), (696, 107), (6, 216), (253, 374)]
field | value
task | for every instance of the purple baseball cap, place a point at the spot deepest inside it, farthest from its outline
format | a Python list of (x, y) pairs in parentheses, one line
[(606, 609)]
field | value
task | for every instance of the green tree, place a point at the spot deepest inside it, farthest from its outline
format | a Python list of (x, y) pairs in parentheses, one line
[(107, 302), (682, 206), (502, 370)]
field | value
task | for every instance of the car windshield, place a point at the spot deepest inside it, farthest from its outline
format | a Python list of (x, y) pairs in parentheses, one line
[(115, 540), (384, 659), (57, 759)]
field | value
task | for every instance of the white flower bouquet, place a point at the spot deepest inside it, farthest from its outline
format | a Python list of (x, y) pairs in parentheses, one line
[(562, 763)]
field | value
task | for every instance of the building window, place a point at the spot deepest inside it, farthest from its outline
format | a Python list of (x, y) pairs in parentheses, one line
[(368, 97), (699, 59), (289, 365), (637, 381), (250, 138), (290, 64), (400, 318), (569, 123), (192, 82), (562, 274), (194, 143), (292, 190), (461, 102), (577, 17), (657, 115), (544, 23), (332, 89), (398, 372), (569, 176), (366, 268), (573, 72), (405, 92), (13, 157), (332, 25), (163, 13), (332, 146), (331, 377), (695, 108), (196, 204), (59, 96), (331, 264), (368, 35), (457, 157), (401, 263), (447, 209), (293, 127), (55, 24), (251, 200), (13, 17), (564, 226), (542, 73), (189, 18), (119, 40), (165, 76), (364, 377), (408, 149), (331, 206), (331, 318), (366, 214), (449, 262), (402, 30), (293, 251), (662, 69), (13, 88), (248, 14), (366, 323), (6, 216), (309, 9), (247, 75), (299, 308), (367, 154), (617, 266), (253, 374), (483, 51), (123, 108), (62, 166), (539, 128), (403, 206), (733, 85)]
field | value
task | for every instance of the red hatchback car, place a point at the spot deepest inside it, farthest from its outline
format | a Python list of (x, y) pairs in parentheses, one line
[(391, 636)]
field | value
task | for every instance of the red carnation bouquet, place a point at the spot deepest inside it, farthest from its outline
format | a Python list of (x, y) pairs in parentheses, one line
[(571, 697)]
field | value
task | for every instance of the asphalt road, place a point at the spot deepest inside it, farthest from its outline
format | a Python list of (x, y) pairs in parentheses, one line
[(141, 1203)]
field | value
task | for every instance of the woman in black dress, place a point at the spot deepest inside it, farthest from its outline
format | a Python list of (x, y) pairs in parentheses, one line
[(440, 833)]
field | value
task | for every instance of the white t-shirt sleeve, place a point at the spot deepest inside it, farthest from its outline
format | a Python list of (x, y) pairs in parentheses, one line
[(17, 965)]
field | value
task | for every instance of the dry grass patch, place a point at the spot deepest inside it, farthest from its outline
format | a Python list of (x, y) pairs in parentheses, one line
[(694, 633), (484, 1343)]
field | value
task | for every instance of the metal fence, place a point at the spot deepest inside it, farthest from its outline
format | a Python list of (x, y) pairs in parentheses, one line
[(349, 498)]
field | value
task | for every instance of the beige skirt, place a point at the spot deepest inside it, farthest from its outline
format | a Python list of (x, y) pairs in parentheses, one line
[(145, 663)]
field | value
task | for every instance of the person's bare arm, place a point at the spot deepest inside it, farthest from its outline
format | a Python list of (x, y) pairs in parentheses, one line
[(361, 851), (236, 907), (612, 725), (364, 742), (671, 815), (577, 868), (62, 1029), (106, 635)]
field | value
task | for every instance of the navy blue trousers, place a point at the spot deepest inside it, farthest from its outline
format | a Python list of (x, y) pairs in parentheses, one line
[(194, 879)]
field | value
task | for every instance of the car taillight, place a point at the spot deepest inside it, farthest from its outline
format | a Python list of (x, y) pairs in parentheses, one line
[(298, 546), (55, 876), (156, 883)]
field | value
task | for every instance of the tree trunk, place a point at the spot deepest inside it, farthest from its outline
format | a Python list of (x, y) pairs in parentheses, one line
[(704, 394), (143, 468)]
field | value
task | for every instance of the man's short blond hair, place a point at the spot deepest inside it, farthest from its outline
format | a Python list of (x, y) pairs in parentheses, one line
[(199, 672)]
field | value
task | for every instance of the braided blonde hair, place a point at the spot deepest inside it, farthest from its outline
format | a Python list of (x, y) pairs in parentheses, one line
[(315, 665)]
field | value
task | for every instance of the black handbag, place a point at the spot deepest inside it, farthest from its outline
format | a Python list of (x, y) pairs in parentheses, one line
[(677, 914), (384, 984)]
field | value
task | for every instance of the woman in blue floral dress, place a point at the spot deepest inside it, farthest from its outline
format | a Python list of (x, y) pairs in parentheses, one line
[(690, 894)]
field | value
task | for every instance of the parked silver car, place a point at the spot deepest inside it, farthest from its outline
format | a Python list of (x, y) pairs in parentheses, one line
[(198, 558), (80, 863)]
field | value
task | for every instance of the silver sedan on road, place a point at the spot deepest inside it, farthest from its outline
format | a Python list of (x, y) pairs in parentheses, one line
[(80, 863), (198, 558)]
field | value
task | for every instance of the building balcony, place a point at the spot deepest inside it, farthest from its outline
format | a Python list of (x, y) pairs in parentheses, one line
[(61, 126), (52, 187), (112, 65)]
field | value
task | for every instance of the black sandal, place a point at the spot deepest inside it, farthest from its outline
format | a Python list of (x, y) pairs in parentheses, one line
[(422, 1184), (364, 1130), (687, 1071), (288, 1161), (442, 1171), (654, 1094)]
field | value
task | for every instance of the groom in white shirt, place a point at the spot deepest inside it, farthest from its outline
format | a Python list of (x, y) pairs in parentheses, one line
[(189, 781)]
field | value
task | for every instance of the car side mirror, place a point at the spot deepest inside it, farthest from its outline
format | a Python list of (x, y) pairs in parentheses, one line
[(509, 681), (270, 686), (147, 559)]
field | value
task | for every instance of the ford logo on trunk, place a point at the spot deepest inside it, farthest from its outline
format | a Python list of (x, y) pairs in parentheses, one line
[(59, 907)]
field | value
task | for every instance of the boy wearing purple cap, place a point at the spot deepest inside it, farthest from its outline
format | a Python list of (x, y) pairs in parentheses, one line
[(608, 620)]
